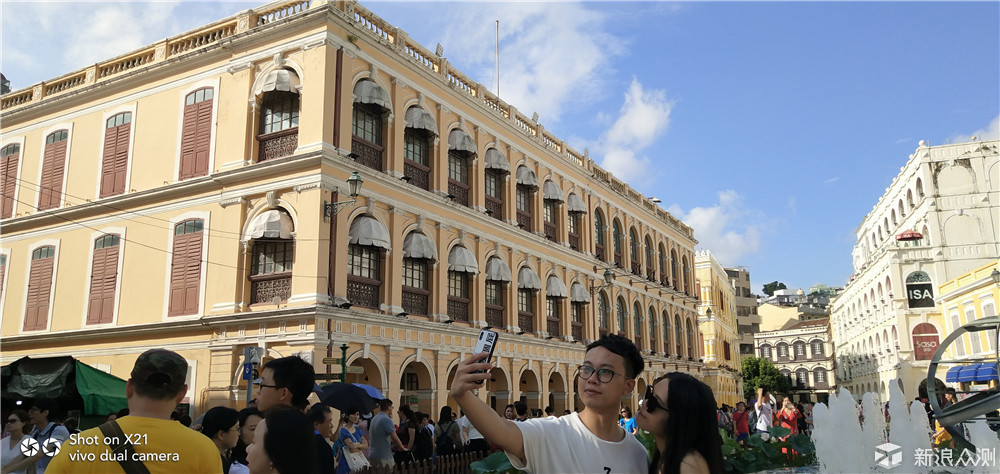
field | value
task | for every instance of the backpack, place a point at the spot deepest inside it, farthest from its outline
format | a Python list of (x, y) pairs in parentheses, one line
[(423, 447), (752, 419), (445, 445), (726, 422)]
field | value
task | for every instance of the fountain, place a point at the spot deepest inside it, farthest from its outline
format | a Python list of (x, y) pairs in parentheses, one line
[(845, 445)]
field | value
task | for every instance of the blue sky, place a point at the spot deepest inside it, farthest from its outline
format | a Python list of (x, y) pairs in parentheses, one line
[(771, 128)]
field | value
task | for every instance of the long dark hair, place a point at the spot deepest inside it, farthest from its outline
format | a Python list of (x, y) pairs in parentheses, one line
[(691, 426), (445, 415), (289, 441)]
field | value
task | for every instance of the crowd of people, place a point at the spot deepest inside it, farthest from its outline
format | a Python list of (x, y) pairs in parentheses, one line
[(282, 432)]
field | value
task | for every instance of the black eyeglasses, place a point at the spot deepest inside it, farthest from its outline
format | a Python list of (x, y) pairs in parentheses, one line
[(262, 384), (604, 375), (652, 403)]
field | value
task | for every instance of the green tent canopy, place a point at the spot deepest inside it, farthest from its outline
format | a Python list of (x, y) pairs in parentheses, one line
[(62, 378)]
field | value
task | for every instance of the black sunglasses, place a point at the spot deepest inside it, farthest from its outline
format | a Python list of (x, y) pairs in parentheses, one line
[(652, 403)]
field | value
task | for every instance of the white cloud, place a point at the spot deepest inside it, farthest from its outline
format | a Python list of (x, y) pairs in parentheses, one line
[(831, 180), (729, 229), (990, 132), (643, 118), (551, 54)]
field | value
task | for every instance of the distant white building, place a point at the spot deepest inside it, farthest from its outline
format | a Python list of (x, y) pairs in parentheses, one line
[(938, 219)]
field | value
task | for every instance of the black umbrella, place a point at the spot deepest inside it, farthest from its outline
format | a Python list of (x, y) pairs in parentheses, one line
[(343, 396)]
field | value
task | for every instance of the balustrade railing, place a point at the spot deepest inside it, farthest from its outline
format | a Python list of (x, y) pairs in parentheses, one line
[(363, 292), (526, 321), (574, 242), (265, 288), (418, 175), (578, 331), (278, 144), (550, 231), (415, 301), (459, 192), (494, 316), (524, 220), (458, 309), (494, 207), (552, 327), (369, 154)]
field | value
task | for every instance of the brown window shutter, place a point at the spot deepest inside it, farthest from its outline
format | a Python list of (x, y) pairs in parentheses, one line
[(104, 277), (3, 273), (196, 137), (185, 274), (9, 182), (53, 166), (39, 289), (114, 166)]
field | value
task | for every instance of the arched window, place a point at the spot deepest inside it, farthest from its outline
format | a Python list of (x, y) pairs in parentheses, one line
[(909, 199), (637, 326), (650, 260), (271, 264), (555, 293), (652, 329), (674, 270), (782, 351), (765, 352), (42, 273), (527, 183), (418, 135), (634, 253), (678, 336), (497, 277), (800, 350), (603, 313), (114, 162), (687, 275), (622, 316), (369, 239), (53, 168), (278, 129), (371, 104), (819, 377), (690, 339), (10, 156), (616, 237), (551, 196), (196, 133), (419, 255), (462, 266), (528, 284), (599, 229), (461, 152), (103, 279), (802, 377), (817, 348), (665, 321), (185, 268), (920, 188), (579, 298), (664, 267)]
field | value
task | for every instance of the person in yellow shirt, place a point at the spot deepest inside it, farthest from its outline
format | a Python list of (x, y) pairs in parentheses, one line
[(147, 435)]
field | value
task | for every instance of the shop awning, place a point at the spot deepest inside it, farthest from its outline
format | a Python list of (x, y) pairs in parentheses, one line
[(527, 279), (461, 141), (551, 192), (578, 293), (526, 177), (64, 378), (367, 91), (102, 393), (368, 231), (420, 119), (272, 224), (497, 270), (279, 80), (496, 161), (417, 245), (909, 235), (576, 204), (461, 259), (555, 288)]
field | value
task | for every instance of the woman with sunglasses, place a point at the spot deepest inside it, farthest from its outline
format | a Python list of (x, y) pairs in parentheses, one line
[(679, 410), (16, 422), (627, 422)]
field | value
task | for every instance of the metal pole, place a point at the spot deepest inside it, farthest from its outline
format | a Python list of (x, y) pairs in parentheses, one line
[(343, 362)]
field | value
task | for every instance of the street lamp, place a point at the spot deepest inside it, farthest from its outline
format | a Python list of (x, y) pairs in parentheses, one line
[(995, 275), (354, 182), (609, 277)]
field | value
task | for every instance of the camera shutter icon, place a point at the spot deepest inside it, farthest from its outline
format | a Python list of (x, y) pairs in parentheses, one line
[(888, 455)]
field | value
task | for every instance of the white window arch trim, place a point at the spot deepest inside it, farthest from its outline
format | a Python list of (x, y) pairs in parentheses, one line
[(52, 288), (6, 253), (120, 231), (214, 85), (205, 217)]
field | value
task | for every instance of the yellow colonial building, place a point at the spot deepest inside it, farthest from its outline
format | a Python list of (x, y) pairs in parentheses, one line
[(195, 194), (717, 323), (965, 299)]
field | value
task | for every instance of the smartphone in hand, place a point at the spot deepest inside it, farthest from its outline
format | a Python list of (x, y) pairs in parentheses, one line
[(486, 343)]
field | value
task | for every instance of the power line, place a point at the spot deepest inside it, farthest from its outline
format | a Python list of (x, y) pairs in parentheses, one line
[(135, 242), (225, 233)]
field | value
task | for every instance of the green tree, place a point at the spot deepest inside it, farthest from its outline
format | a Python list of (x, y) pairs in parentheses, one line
[(770, 288), (760, 372)]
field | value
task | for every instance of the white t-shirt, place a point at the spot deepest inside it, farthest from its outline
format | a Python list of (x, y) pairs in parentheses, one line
[(764, 416), (564, 444), (9, 451), (463, 423)]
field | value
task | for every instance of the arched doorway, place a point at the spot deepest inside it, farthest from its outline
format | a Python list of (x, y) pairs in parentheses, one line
[(528, 386), (498, 389), (416, 387), (557, 393)]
